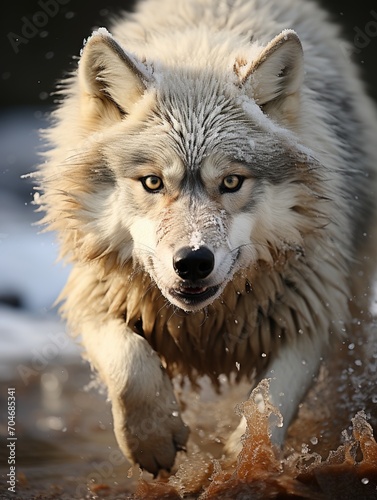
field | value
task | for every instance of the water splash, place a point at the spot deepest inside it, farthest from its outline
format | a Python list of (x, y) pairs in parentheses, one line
[(262, 472)]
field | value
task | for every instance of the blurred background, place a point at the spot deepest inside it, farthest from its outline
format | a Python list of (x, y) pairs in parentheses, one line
[(39, 39)]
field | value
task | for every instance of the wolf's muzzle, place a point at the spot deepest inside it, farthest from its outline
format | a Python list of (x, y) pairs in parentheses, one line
[(193, 265)]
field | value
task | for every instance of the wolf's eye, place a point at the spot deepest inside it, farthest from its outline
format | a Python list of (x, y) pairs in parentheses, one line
[(152, 183), (231, 183)]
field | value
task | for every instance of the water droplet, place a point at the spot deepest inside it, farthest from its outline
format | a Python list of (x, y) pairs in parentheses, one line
[(175, 413), (264, 355), (351, 346), (236, 321), (43, 96), (358, 362), (70, 15), (238, 366), (49, 55), (314, 440), (374, 399), (365, 480)]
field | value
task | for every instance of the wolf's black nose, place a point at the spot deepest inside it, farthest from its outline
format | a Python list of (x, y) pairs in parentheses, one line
[(193, 264)]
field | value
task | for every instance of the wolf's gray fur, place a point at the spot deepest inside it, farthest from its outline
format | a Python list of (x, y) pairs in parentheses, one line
[(212, 179)]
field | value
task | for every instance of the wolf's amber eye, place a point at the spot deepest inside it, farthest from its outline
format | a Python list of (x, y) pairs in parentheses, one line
[(231, 183), (152, 183)]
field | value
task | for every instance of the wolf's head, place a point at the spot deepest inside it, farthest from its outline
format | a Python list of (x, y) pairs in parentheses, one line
[(192, 172)]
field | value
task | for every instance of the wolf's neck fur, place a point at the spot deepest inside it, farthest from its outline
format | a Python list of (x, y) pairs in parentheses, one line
[(258, 310)]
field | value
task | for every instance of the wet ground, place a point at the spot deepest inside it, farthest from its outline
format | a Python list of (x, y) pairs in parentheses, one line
[(65, 447)]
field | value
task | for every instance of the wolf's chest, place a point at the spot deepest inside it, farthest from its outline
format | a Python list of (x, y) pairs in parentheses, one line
[(238, 333)]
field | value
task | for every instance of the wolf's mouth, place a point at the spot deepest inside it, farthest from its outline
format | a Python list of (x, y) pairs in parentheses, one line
[(191, 295)]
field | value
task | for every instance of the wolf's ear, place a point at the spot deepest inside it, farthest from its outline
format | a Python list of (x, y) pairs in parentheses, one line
[(276, 76), (110, 80)]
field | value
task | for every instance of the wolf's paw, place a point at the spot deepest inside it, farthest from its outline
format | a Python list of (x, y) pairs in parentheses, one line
[(151, 433), (154, 442)]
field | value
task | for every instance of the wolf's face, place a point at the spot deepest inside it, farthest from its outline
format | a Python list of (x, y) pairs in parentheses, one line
[(189, 208), (188, 228), (185, 173), (189, 195)]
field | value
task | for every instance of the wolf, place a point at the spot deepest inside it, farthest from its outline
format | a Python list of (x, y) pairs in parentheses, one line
[(211, 177)]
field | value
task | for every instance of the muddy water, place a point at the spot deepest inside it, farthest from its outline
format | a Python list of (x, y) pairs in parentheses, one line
[(66, 448)]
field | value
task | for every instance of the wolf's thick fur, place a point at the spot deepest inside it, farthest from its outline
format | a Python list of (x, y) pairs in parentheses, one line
[(211, 178)]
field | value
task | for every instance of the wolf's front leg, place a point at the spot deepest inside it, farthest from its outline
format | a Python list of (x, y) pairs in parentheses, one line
[(291, 373), (147, 421)]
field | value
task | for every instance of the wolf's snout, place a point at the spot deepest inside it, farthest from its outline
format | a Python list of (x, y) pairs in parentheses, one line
[(193, 264)]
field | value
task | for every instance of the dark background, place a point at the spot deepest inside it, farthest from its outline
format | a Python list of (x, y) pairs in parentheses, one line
[(28, 77)]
